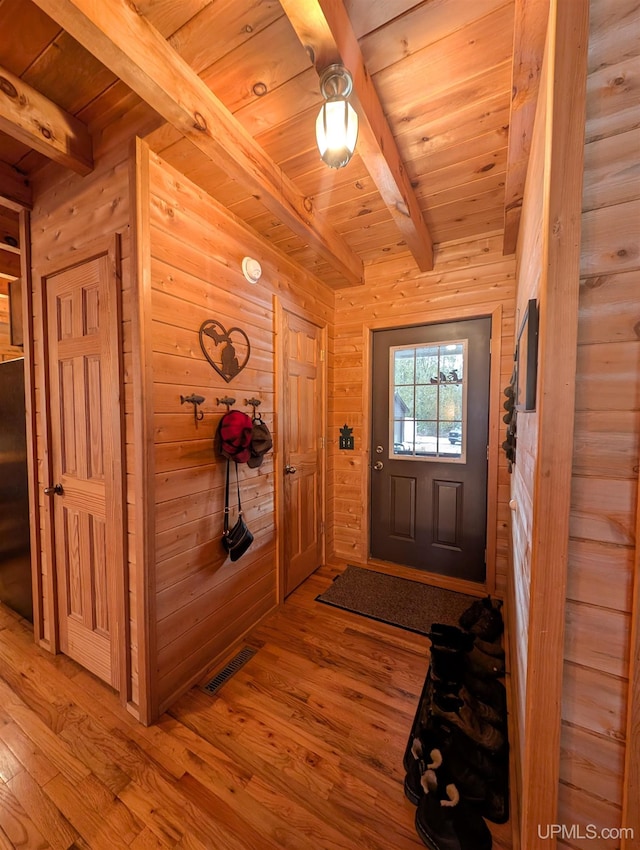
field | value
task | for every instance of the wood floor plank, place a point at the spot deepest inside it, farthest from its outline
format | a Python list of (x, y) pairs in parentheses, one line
[(9, 764), (300, 750), (17, 825), (94, 812), (28, 753), (45, 815)]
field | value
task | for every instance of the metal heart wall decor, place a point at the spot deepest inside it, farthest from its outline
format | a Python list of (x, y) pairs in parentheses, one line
[(227, 350)]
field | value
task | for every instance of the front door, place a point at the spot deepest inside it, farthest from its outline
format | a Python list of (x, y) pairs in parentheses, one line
[(86, 491), (429, 447), (302, 431)]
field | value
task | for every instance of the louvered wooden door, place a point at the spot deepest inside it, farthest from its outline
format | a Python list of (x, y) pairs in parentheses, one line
[(84, 381), (303, 394)]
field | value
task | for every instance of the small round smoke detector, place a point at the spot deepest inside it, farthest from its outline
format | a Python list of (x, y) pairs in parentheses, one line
[(251, 269)]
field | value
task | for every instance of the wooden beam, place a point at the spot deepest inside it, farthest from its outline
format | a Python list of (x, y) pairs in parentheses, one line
[(9, 230), (128, 45), (15, 191), (9, 264), (530, 29), (324, 28), (43, 126)]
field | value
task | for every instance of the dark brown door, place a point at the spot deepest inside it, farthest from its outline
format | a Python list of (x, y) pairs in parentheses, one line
[(429, 447)]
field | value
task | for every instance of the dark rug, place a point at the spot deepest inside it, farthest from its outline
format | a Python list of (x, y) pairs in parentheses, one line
[(401, 602)]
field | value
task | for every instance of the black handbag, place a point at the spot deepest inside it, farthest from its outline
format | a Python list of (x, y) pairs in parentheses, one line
[(237, 539)]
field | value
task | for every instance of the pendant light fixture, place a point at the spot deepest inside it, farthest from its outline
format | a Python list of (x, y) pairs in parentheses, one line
[(337, 122)]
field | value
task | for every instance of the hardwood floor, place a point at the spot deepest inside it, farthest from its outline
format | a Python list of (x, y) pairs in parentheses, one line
[(300, 749)]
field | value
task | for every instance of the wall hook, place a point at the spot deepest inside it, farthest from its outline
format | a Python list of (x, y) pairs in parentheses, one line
[(195, 400), (254, 403), (226, 400)]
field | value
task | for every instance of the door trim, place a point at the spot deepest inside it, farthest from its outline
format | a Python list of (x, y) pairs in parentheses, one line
[(429, 318), (278, 312), (109, 247), (32, 438)]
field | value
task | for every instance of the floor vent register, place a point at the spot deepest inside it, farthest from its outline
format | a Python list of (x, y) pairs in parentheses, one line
[(231, 668)]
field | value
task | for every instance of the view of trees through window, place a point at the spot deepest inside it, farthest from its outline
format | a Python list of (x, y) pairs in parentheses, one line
[(428, 383)]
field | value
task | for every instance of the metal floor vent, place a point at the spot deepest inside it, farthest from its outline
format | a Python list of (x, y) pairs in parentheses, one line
[(227, 672)]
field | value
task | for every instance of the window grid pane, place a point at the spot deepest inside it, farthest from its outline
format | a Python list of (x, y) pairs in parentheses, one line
[(427, 399)]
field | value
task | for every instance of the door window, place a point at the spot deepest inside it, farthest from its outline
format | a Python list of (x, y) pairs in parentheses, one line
[(428, 401)]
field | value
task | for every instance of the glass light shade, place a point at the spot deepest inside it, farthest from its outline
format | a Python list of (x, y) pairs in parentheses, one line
[(336, 131)]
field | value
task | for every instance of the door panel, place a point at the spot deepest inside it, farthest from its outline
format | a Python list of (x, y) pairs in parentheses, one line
[(84, 382), (303, 453), (429, 441)]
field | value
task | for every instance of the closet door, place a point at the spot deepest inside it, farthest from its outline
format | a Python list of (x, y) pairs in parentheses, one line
[(82, 340), (303, 393)]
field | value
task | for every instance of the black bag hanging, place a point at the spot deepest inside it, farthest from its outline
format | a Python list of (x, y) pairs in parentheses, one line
[(238, 539)]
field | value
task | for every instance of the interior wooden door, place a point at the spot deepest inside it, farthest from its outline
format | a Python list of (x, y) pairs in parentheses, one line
[(302, 426), (86, 491)]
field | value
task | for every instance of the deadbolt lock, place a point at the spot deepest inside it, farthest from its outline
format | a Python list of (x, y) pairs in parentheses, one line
[(379, 450)]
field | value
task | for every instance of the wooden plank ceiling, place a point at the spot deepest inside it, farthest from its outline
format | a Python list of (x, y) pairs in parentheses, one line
[(432, 82)]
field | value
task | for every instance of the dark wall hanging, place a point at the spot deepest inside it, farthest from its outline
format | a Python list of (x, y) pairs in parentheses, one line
[(346, 438), (509, 444), (527, 359), (226, 350)]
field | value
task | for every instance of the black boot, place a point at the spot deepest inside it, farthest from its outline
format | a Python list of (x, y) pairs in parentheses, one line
[(446, 822), (456, 712), (448, 666), (452, 637), (481, 709), (426, 755), (490, 691), (483, 618)]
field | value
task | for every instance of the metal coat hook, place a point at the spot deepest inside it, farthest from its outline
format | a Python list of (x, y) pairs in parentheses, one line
[(226, 400), (254, 403), (195, 400)]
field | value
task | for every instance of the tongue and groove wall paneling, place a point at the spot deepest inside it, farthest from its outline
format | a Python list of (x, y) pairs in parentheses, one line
[(530, 265), (601, 702), (203, 602), (548, 270), (469, 279)]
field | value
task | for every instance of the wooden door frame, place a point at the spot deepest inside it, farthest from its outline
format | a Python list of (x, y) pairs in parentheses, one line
[(432, 317), (35, 538), (109, 247), (631, 777), (279, 309)]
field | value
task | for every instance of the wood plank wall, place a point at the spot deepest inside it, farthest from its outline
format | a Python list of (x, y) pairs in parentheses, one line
[(602, 546), (203, 602), (7, 351), (469, 279), (530, 263)]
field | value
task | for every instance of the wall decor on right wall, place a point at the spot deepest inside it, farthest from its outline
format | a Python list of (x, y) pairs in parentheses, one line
[(229, 359), (527, 359)]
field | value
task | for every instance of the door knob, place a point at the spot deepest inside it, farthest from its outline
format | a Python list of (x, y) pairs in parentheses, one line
[(378, 465), (290, 470), (56, 490)]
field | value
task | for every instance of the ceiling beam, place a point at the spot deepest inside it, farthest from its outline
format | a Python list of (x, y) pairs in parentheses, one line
[(9, 264), (15, 191), (116, 34), (324, 28), (9, 230), (530, 31), (34, 120)]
